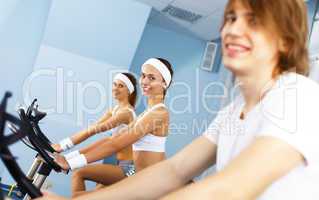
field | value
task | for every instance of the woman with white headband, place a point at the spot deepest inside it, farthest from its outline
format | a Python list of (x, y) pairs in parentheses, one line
[(147, 134), (124, 91)]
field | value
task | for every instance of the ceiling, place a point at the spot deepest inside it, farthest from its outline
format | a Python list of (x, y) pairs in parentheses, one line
[(206, 28)]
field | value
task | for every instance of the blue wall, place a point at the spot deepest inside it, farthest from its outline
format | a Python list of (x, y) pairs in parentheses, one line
[(313, 6), (22, 24), (104, 30), (191, 107), (84, 41), (88, 50)]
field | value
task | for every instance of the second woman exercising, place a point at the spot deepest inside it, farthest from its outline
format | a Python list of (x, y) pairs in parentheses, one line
[(147, 134)]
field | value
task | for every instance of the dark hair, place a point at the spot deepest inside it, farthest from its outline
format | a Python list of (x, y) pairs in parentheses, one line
[(170, 69), (288, 19), (132, 97)]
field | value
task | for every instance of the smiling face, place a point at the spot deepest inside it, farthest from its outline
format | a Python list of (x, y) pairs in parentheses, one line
[(119, 90), (247, 46), (151, 81)]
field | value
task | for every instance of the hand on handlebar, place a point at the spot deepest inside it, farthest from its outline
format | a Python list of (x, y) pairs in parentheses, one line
[(60, 160), (57, 148)]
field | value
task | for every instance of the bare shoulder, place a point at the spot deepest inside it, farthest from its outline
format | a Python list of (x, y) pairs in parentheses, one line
[(124, 111), (112, 109), (160, 113)]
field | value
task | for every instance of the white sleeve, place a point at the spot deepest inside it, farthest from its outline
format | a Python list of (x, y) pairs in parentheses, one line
[(289, 114), (223, 122), (216, 126), (211, 133)]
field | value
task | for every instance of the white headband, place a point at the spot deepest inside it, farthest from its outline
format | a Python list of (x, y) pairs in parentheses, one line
[(126, 81), (161, 67)]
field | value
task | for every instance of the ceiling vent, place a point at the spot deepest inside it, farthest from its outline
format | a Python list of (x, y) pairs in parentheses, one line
[(181, 14)]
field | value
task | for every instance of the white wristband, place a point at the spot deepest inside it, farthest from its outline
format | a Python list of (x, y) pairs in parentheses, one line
[(77, 162), (66, 144), (71, 155)]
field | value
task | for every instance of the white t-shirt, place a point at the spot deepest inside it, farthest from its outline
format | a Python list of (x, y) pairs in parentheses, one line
[(289, 111)]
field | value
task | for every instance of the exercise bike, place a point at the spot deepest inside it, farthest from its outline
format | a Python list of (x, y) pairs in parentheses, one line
[(34, 138), (24, 184)]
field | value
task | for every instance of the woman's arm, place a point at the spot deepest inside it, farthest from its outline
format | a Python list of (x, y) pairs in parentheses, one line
[(105, 123), (122, 117), (81, 136), (163, 177), (127, 136), (94, 145), (248, 175), (105, 117)]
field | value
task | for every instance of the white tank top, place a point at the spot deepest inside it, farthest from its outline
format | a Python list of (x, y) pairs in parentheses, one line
[(150, 142), (114, 111)]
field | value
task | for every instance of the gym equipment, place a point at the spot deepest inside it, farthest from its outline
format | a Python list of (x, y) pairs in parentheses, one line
[(24, 184), (12, 191), (28, 131), (36, 140)]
